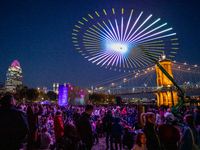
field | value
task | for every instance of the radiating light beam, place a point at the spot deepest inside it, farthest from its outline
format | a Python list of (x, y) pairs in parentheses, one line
[(121, 29), (128, 24), (140, 26), (117, 29), (150, 31), (157, 38), (155, 34), (134, 25), (146, 28), (113, 30)]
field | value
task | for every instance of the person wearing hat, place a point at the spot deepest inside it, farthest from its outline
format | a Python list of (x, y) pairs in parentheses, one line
[(13, 125), (169, 117), (118, 112)]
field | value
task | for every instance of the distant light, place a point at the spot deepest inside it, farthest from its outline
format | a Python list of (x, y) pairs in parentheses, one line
[(179, 67), (174, 61), (184, 63), (188, 68), (168, 85), (119, 47), (163, 56), (38, 88), (195, 65)]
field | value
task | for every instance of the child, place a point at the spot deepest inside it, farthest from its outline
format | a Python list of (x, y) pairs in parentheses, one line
[(140, 143)]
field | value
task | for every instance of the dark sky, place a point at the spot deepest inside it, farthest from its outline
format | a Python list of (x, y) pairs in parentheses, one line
[(38, 34)]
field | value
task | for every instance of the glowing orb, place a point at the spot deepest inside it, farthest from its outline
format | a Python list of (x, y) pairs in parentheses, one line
[(119, 47)]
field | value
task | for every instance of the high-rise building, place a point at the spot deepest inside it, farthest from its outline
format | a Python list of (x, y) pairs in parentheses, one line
[(13, 76)]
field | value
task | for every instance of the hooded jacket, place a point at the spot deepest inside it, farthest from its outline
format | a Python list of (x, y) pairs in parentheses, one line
[(58, 127)]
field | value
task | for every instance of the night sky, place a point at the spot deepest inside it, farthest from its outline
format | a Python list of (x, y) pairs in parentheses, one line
[(38, 34)]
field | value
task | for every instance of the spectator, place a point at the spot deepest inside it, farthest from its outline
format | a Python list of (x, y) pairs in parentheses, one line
[(158, 118), (169, 136), (187, 111), (118, 112), (153, 141), (189, 131), (13, 125), (107, 127), (196, 117), (140, 143), (45, 139), (99, 128), (84, 127), (76, 115), (70, 139), (94, 134), (58, 125), (33, 126), (117, 133), (169, 117), (58, 128), (128, 138)]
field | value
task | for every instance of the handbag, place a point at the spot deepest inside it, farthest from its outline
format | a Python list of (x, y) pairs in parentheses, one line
[(194, 146)]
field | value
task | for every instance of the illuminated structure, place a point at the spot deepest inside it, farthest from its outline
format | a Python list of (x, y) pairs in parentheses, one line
[(166, 96), (13, 76), (72, 95), (111, 38)]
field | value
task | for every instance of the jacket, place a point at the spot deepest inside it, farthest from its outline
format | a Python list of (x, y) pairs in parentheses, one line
[(85, 130), (58, 127), (187, 138), (13, 128), (153, 141), (107, 123)]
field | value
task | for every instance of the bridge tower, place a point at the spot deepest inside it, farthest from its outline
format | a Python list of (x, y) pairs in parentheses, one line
[(166, 96)]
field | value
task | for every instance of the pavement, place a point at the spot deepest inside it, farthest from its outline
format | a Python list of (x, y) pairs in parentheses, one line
[(102, 145)]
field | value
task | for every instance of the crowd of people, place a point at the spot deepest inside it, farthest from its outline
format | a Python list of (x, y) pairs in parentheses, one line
[(37, 126)]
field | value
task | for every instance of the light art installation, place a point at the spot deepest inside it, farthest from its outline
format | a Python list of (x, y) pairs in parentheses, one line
[(111, 39)]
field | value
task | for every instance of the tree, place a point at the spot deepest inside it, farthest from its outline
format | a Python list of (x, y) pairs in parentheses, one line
[(98, 97), (21, 92), (51, 95), (32, 94)]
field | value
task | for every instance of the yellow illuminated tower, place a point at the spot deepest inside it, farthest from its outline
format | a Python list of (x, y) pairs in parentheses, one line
[(166, 96)]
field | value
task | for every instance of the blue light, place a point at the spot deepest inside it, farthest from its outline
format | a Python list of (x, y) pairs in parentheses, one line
[(63, 95)]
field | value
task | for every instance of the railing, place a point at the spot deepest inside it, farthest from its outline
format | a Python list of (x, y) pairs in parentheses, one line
[(137, 90)]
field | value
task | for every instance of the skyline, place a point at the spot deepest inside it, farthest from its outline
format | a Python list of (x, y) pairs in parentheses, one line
[(38, 35)]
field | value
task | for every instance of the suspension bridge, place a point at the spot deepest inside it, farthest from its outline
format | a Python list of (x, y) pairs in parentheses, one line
[(145, 81)]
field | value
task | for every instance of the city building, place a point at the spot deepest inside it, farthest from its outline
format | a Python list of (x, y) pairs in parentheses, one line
[(13, 76)]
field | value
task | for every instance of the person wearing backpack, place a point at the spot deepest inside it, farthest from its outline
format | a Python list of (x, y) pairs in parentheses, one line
[(190, 139)]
